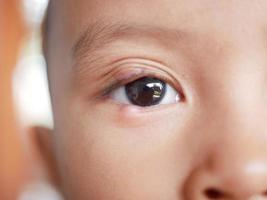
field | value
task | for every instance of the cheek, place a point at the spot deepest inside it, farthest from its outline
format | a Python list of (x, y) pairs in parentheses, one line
[(121, 153)]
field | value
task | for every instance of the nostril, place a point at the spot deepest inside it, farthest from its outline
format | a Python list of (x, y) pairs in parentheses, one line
[(213, 193)]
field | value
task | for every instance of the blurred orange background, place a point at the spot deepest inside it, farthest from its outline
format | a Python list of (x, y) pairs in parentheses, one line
[(21, 167), (24, 103), (12, 167)]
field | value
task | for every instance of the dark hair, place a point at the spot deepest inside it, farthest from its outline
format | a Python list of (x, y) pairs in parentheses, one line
[(45, 39), (45, 29)]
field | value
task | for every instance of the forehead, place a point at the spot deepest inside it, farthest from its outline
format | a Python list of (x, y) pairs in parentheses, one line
[(169, 13), (236, 21), (213, 18)]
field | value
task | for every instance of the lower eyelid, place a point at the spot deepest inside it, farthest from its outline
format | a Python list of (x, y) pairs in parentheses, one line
[(141, 110)]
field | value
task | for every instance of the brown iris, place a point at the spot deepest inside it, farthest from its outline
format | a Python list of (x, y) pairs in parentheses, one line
[(145, 91)]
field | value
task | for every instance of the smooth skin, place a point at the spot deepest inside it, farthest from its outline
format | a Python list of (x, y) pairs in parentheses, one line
[(210, 144)]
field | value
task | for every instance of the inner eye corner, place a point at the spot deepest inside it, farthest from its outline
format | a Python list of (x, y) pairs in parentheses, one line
[(180, 93), (182, 96)]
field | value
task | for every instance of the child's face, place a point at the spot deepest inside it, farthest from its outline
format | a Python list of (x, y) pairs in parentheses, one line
[(192, 122)]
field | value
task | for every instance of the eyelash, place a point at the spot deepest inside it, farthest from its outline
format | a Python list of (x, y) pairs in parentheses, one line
[(118, 82)]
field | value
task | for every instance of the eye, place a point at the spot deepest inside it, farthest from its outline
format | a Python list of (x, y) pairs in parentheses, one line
[(146, 91)]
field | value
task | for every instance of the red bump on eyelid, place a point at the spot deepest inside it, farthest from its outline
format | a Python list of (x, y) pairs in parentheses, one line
[(128, 115), (129, 111), (126, 74)]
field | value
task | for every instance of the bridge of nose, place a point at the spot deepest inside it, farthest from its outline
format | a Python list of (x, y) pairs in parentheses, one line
[(236, 161), (231, 98)]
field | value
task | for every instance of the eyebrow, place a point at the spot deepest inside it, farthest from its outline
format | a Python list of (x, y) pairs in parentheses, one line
[(100, 34)]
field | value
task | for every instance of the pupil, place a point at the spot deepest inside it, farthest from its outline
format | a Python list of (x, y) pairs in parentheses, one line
[(145, 91)]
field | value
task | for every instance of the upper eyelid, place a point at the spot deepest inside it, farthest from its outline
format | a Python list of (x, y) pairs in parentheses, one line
[(144, 73), (87, 59)]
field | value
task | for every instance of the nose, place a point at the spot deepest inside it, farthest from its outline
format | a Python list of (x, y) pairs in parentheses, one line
[(235, 167)]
